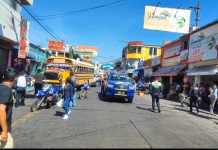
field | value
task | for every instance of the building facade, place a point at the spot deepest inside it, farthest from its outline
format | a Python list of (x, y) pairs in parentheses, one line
[(10, 20), (138, 57), (203, 54)]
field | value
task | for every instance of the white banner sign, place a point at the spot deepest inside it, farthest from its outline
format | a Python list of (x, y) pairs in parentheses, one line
[(167, 19)]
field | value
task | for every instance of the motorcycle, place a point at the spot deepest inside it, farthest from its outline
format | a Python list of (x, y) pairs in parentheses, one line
[(48, 96)]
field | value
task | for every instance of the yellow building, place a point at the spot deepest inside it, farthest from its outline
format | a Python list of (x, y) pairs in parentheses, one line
[(145, 53), (136, 51)]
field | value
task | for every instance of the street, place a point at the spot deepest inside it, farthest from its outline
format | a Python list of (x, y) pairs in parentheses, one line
[(96, 123)]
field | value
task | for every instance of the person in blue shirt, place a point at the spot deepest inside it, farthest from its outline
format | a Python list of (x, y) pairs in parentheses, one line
[(85, 88), (69, 91)]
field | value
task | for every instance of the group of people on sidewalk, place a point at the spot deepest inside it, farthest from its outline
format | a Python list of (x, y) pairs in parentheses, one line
[(196, 94), (191, 94)]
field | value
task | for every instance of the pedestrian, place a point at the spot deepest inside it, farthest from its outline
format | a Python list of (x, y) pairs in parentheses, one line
[(21, 89), (68, 95), (213, 97), (85, 89), (73, 99), (194, 94), (156, 89), (6, 106), (38, 82), (178, 90), (103, 82)]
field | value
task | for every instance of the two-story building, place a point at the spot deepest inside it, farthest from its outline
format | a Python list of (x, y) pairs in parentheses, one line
[(139, 58)]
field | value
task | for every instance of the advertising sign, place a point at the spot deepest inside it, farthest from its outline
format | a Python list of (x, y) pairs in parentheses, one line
[(204, 44), (170, 61), (136, 43), (85, 48), (23, 43), (167, 19), (173, 51), (56, 45)]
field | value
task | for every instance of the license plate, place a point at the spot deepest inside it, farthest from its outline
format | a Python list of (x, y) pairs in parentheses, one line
[(120, 93)]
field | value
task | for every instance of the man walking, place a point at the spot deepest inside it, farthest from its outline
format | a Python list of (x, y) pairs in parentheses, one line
[(156, 88), (6, 105), (194, 95), (213, 97), (21, 88)]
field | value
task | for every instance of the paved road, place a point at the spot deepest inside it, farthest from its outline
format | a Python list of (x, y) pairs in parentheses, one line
[(101, 124)]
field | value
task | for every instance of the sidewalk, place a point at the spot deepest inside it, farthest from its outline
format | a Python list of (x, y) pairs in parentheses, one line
[(172, 106)]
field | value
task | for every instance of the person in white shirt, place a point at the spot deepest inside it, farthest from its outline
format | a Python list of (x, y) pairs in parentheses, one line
[(213, 97), (21, 87)]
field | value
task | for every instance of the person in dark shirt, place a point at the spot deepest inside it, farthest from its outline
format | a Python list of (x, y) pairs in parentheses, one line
[(69, 91), (6, 106)]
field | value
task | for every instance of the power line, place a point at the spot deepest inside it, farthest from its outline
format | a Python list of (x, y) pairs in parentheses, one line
[(78, 11), (37, 21)]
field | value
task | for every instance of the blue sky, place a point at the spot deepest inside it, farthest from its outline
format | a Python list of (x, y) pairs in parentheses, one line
[(107, 28)]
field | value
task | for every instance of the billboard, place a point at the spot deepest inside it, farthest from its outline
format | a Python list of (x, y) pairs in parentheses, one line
[(56, 45), (85, 48), (23, 43), (203, 44), (167, 19)]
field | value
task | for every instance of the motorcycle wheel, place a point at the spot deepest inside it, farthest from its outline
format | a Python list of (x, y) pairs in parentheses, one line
[(37, 104)]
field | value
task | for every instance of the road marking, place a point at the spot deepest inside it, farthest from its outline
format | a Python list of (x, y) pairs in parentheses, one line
[(139, 132)]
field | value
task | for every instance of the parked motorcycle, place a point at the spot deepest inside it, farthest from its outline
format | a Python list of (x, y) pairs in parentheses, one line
[(48, 96)]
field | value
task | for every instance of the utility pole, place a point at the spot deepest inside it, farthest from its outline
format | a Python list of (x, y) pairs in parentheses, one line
[(197, 13)]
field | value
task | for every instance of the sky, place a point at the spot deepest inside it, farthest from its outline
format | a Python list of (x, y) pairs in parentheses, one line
[(109, 28)]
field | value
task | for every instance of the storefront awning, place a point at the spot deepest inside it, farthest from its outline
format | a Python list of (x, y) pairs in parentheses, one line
[(201, 71), (169, 71)]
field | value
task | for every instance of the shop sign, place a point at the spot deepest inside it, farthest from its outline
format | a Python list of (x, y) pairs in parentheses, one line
[(184, 56), (56, 45), (170, 61), (173, 51), (203, 44), (136, 43), (23, 43), (167, 19)]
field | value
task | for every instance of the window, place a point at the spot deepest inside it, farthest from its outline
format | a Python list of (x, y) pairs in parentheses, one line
[(131, 50), (155, 51), (139, 50), (150, 51)]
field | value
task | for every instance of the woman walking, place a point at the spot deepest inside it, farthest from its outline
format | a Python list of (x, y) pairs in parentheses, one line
[(68, 95)]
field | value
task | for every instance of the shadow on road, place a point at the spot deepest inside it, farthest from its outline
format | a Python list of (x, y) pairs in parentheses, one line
[(59, 113), (142, 108), (111, 100), (196, 114)]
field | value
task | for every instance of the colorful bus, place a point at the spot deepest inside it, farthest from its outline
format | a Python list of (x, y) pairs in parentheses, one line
[(58, 69)]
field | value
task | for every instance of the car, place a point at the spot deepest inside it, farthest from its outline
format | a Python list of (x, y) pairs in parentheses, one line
[(119, 86)]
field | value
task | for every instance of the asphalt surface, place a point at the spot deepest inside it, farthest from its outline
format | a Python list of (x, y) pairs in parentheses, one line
[(96, 123)]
